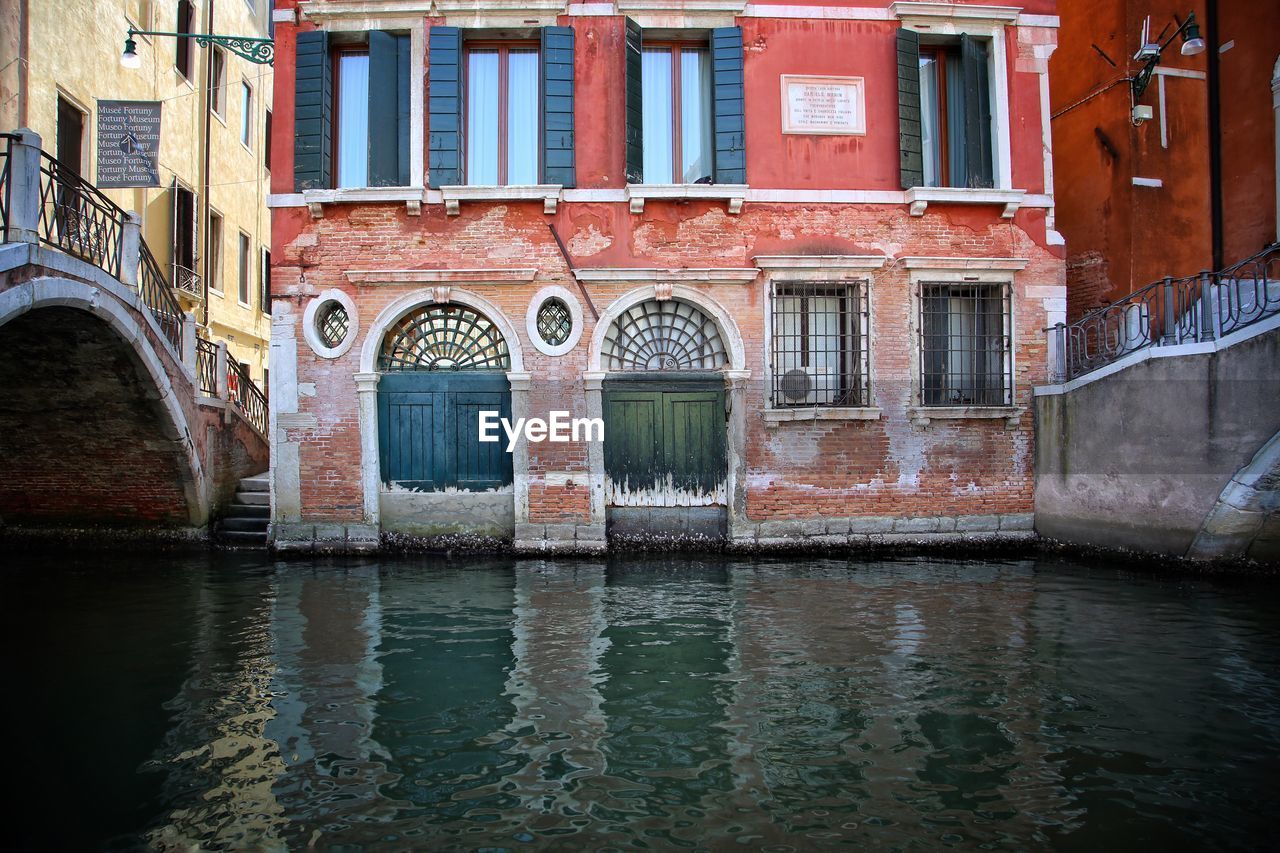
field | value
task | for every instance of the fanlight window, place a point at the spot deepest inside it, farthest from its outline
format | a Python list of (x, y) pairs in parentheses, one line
[(444, 337), (663, 335)]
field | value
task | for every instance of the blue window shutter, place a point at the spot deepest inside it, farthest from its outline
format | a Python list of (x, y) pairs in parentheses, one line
[(444, 107), (635, 110), (313, 113), (910, 147), (729, 114), (557, 106), (388, 108)]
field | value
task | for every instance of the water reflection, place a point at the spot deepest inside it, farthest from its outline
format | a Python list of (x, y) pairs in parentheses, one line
[(668, 703)]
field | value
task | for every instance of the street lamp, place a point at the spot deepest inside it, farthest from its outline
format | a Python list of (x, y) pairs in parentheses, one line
[(256, 50), (1149, 53)]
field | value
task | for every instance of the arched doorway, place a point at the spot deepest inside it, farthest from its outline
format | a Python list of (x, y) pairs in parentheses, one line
[(442, 364), (663, 403)]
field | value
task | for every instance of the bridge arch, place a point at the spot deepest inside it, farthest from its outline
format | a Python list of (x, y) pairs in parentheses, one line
[(72, 303), (1245, 520)]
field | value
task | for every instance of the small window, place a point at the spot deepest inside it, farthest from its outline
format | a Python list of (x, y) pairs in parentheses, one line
[(213, 252), (331, 324), (955, 114), (246, 114), (819, 344), (555, 322), (182, 50), (264, 302), (218, 96), (244, 268), (965, 354), (352, 87), (71, 123), (676, 99), (502, 115)]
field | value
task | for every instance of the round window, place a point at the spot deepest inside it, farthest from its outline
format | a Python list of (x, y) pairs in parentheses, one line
[(555, 322), (331, 324)]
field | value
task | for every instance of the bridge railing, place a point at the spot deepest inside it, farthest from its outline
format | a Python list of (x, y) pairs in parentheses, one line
[(207, 366), (6, 140), (1172, 311), (247, 396)]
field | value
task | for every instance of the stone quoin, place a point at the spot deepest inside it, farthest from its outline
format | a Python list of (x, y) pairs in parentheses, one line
[(816, 336)]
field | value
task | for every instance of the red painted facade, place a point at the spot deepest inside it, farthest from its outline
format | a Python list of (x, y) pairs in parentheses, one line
[(807, 196)]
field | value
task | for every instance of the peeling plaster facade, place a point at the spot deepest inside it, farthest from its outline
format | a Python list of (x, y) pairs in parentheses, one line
[(815, 208)]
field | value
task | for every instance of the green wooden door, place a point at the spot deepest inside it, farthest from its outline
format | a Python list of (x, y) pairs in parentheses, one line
[(428, 430), (665, 443)]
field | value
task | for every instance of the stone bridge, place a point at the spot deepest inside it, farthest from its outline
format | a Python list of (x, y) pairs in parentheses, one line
[(113, 413), (1164, 434)]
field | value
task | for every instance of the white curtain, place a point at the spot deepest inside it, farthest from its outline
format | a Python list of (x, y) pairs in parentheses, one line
[(695, 115), (482, 117), (353, 120), (522, 117), (929, 122), (655, 93)]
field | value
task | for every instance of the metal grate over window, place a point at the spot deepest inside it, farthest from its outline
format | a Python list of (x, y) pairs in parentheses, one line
[(332, 325), (819, 344), (663, 334), (444, 337), (965, 353), (554, 321)]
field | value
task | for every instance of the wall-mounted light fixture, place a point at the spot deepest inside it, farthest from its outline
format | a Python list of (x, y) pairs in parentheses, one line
[(256, 50), (1149, 53)]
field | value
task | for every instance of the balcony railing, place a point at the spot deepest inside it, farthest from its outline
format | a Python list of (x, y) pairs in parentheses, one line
[(1172, 311), (247, 396), (187, 281)]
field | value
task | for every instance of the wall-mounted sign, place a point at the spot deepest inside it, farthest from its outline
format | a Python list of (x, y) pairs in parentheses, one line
[(823, 106), (128, 144)]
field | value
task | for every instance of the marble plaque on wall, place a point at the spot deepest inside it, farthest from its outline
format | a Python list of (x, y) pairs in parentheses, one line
[(826, 106)]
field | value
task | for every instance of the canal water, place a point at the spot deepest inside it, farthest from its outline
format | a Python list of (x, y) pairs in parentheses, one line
[(229, 702)]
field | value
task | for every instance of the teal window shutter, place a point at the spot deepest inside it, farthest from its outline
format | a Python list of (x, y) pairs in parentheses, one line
[(635, 110), (444, 107), (388, 108), (729, 114), (911, 160), (557, 106), (977, 112), (313, 113)]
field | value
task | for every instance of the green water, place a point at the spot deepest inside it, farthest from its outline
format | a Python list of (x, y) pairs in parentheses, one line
[(234, 703)]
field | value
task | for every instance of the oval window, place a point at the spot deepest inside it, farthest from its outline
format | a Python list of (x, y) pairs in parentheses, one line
[(555, 322), (331, 324)]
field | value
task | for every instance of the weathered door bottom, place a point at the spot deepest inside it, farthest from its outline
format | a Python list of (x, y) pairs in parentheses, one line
[(645, 526)]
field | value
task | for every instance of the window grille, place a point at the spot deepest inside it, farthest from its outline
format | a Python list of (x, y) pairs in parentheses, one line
[(554, 322), (965, 352), (332, 325), (444, 337), (819, 344), (663, 335)]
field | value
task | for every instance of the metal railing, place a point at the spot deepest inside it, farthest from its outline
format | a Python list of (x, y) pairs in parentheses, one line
[(207, 366), (7, 139), (76, 217), (157, 296), (1172, 311), (247, 396), (188, 281)]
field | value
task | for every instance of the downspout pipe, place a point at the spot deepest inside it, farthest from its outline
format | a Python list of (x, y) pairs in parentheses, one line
[(1215, 134), (204, 178)]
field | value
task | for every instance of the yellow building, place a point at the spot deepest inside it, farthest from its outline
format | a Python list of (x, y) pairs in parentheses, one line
[(208, 222)]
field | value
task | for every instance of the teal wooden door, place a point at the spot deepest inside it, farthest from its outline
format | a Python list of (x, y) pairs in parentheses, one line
[(665, 443), (428, 430)]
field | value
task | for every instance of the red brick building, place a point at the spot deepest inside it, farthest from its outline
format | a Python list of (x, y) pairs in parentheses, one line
[(798, 259)]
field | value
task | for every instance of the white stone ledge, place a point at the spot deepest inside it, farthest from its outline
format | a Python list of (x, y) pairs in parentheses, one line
[(453, 196), (521, 275), (921, 416), (965, 11), (709, 275), (819, 262), (314, 200), (916, 262), (734, 194), (773, 417), (920, 197)]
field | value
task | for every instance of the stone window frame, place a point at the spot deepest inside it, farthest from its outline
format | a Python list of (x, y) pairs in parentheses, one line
[(312, 312), (1001, 271), (836, 269), (575, 313)]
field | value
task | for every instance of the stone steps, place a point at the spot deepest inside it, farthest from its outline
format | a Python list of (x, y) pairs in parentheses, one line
[(244, 525)]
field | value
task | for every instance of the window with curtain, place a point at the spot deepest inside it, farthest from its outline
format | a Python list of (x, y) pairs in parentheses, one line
[(965, 357), (246, 114), (502, 100), (676, 101), (955, 114), (244, 268), (213, 252), (819, 344), (218, 97), (352, 113)]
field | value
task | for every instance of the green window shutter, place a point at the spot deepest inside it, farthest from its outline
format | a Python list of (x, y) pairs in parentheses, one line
[(728, 113), (977, 112), (635, 111), (911, 161), (388, 108), (444, 107), (557, 106), (313, 113)]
